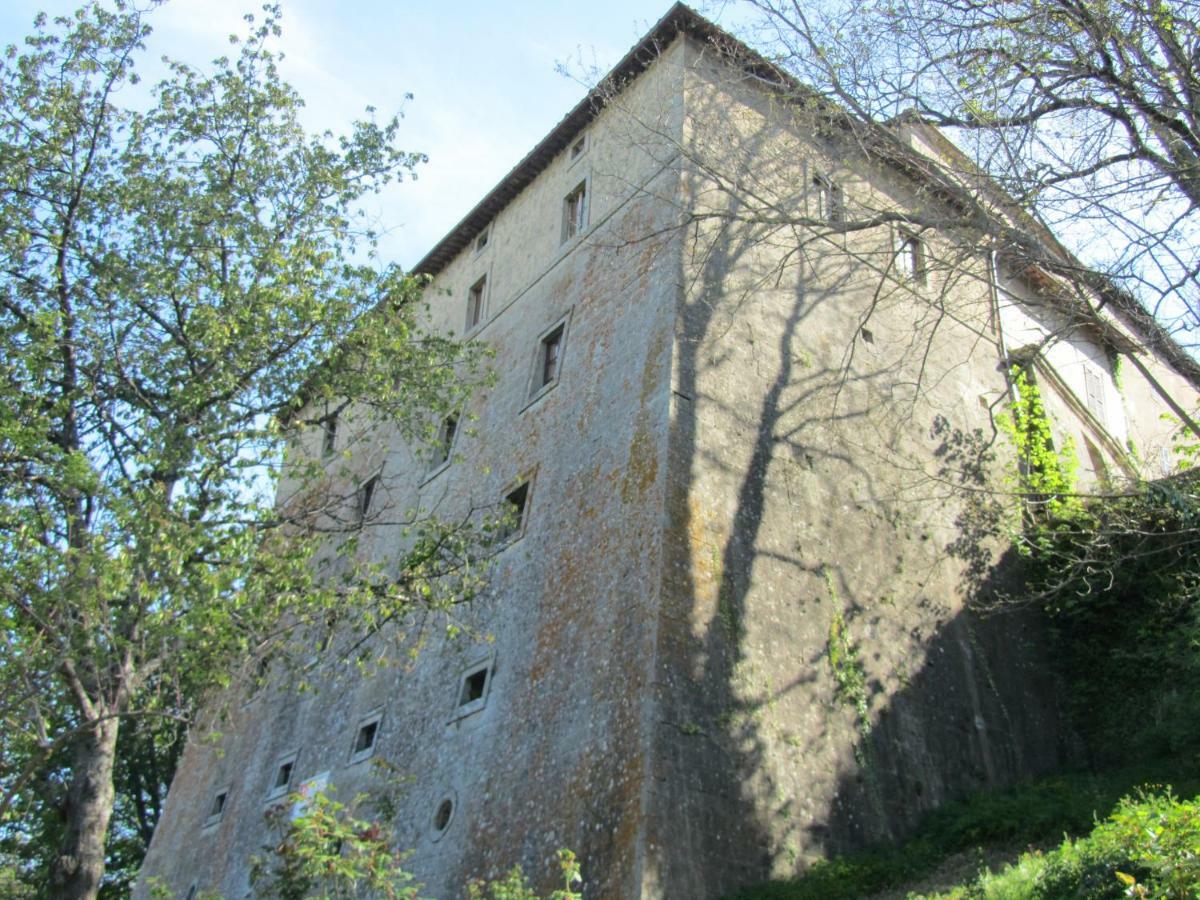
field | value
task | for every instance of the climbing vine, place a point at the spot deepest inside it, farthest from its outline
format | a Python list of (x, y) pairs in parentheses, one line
[(1045, 475)]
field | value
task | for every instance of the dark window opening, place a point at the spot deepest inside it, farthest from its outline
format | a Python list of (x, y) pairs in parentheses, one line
[(551, 354), (578, 147), (284, 776), (473, 687), (441, 818), (365, 739), (328, 435), (218, 805), (446, 438), (867, 336), (482, 240), (475, 303), (365, 494), (575, 212), (514, 505)]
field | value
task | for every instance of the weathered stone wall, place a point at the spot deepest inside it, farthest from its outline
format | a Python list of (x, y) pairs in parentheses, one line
[(734, 635), (822, 462), (556, 757)]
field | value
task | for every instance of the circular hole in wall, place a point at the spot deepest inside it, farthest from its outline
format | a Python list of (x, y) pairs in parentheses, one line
[(443, 815)]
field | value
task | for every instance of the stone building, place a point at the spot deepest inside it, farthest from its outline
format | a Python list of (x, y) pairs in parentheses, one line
[(745, 435)]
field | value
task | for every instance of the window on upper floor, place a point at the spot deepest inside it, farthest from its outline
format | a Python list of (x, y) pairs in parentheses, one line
[(482, 240), (473, 688), (446, 436), (281, 781), (475, 302), (578, 147), (329, 435), (549, 358), (366, 736), (829, 201), (366, 493), (216, 809), (575, 212), (514, 512), (1094, 389), (910, 258)]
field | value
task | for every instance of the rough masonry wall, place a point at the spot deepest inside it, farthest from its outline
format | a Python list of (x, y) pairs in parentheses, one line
[(556, 756), (820, 682)]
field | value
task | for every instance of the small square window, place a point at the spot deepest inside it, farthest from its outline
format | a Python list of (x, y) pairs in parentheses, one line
[(281, 781), (366, 493), (549, 358), (482, 240), (216, 809), (329, 435), (514, 510), (446, 436), (365, 738), (473, 689), (475, 301), (577, 148), (910, 258), (829, 200), (575, 210)]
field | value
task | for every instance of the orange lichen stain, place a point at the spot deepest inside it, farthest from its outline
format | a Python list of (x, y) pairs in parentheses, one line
[(642, 469), (704, 548)]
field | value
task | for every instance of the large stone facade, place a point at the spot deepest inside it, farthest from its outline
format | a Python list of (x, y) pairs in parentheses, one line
[(733, 634)]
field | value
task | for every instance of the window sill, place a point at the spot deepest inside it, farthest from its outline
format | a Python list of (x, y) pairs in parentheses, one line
[(436, 471), (541, 392)]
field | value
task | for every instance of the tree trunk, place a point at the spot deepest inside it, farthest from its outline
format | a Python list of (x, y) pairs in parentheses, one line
[(76, 873)]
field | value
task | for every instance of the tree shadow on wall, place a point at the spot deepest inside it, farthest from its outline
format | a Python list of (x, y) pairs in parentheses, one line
[(817, 694)]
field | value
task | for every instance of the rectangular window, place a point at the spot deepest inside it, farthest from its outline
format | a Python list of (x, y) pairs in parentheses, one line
[(216, 809), (577, 148), (329, 435), (1094, 388), (475, 299), (366, 494), (282, 779), (473, 689), (575, 212), (513, 512), (829, 202), (549, 357), (365, 738), (910, 258), (446, 438), (482, 240)]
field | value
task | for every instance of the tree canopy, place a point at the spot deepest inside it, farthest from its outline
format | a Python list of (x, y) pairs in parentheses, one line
[(1085, 113), (185, 287)]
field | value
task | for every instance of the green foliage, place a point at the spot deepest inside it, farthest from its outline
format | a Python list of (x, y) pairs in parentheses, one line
[(328, 853), (1148, 847), (1031, 813), (1122, 590), (1046, 475), (848, 672), (513, 886), (186, 290)]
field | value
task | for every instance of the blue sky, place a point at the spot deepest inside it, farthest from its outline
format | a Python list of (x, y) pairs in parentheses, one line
[(484, 78)]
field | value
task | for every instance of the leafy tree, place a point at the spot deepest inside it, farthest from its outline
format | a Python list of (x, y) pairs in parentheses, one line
[(1087, 114), (185, 288)]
